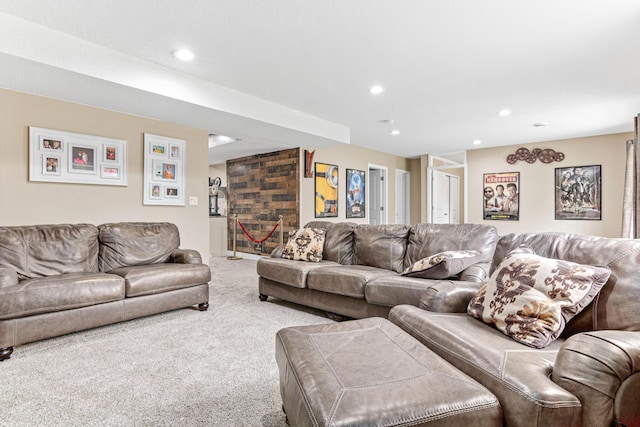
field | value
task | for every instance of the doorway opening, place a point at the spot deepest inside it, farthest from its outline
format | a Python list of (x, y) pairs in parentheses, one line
[(446, 188), (377, 199)]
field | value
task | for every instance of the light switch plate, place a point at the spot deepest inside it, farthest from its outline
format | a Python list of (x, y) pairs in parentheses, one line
[(193, 200)]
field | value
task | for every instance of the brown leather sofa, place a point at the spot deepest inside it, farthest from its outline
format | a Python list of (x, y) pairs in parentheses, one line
[(58, 279), (590, 376), (359, 275)]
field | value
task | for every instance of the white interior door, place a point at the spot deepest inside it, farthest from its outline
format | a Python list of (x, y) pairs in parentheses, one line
[(403, 199), (377, 196), (445, 198)]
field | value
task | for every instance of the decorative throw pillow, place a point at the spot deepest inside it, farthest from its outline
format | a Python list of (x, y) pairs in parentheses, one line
[(531, 298), (305, 244), (442, 265)]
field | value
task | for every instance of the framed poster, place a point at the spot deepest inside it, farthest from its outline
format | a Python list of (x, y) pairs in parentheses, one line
[(57, 156), (579, 192), (164, 170), (326, 189), (501, 200), (355, 194)]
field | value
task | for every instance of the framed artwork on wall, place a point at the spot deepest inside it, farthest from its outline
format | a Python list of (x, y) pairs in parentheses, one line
[(57, 156), (501, 200), (164, 170), (326, 190), (578, 192), (355, 194)]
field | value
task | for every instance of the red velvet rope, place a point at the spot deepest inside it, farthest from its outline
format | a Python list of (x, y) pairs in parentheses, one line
[(244, 230)]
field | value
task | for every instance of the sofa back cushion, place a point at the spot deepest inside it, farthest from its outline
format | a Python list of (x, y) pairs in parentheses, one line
[(47, 250), (338, 240), (127, 244), (429, 239), (615, 307), (381, 246)]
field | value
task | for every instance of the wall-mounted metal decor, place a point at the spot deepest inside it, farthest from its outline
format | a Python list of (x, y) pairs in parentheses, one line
[(546, 155)]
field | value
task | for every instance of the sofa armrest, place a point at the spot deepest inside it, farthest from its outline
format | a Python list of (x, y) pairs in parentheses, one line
[(185, 256), (602, 369), (449, 296), (476, 272), (8, 277), (277, 252)]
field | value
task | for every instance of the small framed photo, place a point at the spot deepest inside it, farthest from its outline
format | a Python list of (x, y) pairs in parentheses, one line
[(48, 143), (82, 159), (51, 164), (579, 193), (109, 172), (155, 192), (171, 192), (110, 153), (174, 151), (164, 171), (158, 149)]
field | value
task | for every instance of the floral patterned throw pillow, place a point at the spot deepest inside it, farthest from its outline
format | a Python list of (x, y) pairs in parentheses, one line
[(531, 298), (442, 265), (305, 244)]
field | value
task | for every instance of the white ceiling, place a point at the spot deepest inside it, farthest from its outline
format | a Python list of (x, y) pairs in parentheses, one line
[(288, 73)]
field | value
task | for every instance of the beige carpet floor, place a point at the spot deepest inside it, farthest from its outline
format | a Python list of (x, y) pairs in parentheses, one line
[(182, 368)]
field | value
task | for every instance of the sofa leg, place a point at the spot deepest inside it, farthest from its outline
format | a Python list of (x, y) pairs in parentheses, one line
[(203, 306), (5, 353), (263, 297)]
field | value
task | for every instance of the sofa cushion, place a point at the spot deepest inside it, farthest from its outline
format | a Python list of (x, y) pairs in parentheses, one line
[(381, 246), (615, 307), (517, 374), (427, 239), (58, 293), (347, 280), (305, 244), (442, 265), (8, 277), (531, 298), (288, 272), (136, 243), (154, 279), (338, 240), (49, 250), (392, 290)]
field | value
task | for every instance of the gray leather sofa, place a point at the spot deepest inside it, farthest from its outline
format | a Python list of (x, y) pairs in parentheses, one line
[(590, 376), (58, 279), (359, 275)]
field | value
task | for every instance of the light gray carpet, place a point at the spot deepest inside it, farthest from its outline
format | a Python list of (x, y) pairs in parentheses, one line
[(182, 368)]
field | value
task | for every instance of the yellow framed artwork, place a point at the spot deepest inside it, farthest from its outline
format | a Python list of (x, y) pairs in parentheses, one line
[(326, 189)]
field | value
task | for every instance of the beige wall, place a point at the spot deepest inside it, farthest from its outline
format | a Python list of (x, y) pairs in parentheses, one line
[(537, 196), (25, 202), (352, 157)]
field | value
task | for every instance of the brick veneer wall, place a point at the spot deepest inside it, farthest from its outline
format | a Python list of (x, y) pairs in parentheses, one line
[(260, 188)]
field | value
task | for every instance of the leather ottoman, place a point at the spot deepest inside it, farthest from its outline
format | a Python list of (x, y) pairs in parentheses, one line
[(369, 372)]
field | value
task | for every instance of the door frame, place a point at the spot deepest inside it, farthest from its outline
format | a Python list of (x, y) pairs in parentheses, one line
[(385, 191), (448, 164), (407, 194)]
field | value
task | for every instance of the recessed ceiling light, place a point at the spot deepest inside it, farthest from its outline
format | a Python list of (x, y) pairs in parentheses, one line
[(541, 124), (386, 121), (504, 113), (218, 140), (184, 54), (477, 142), (376, 90), (395, 132)]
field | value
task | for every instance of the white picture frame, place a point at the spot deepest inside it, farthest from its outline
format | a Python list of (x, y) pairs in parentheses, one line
[(164, 170), (66, 157)]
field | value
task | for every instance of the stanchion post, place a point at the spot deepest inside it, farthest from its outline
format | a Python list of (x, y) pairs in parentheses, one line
[(235, 237), (281, 230)]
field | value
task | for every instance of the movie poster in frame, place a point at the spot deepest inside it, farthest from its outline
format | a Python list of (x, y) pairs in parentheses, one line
[(355, 193), (501, 199), (326, 190), (578, 193), (164, 170)]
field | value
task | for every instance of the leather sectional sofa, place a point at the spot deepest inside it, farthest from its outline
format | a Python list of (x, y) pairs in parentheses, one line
[(58, 279), (588, 376), (360, 272)]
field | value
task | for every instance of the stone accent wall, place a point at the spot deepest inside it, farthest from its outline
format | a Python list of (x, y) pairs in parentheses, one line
[(260, 188)]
